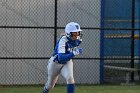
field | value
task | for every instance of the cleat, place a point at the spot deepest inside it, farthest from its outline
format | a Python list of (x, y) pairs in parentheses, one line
[(45, 90)]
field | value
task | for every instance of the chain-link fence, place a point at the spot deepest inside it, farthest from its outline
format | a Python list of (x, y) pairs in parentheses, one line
[(29, 30)]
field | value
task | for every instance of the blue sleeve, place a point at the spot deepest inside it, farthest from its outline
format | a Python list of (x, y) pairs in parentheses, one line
[(63, 58)]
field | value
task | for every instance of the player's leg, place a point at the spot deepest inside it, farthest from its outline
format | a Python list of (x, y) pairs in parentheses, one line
[(48, 86), (53, 72), (67, 73)]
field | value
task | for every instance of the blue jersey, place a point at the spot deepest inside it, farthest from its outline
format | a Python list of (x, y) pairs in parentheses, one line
[(63, 49)]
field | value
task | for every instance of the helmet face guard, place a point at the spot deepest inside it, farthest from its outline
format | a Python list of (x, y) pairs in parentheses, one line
[(78, 34)]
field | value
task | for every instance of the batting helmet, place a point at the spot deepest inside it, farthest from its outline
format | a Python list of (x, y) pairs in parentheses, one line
[(72, 27)]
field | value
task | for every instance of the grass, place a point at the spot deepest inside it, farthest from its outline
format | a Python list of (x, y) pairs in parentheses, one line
[(79, 89)]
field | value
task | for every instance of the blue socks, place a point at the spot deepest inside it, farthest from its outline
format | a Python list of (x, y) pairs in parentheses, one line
[(70, 88)]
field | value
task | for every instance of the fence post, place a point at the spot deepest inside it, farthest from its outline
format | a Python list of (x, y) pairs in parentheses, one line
[(132, 38), (55, 23)]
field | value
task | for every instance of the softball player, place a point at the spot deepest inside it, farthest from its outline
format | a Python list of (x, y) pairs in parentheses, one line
[(61, 60)]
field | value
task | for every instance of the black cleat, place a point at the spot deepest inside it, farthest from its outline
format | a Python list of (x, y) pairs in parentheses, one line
[(45, 90)]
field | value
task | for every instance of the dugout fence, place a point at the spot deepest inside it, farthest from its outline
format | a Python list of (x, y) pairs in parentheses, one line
[(29, 30)]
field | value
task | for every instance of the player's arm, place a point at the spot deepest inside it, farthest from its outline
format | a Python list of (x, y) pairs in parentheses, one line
[(62, 57)]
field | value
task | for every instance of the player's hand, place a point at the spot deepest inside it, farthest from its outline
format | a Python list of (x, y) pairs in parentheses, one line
[(77, 51)]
